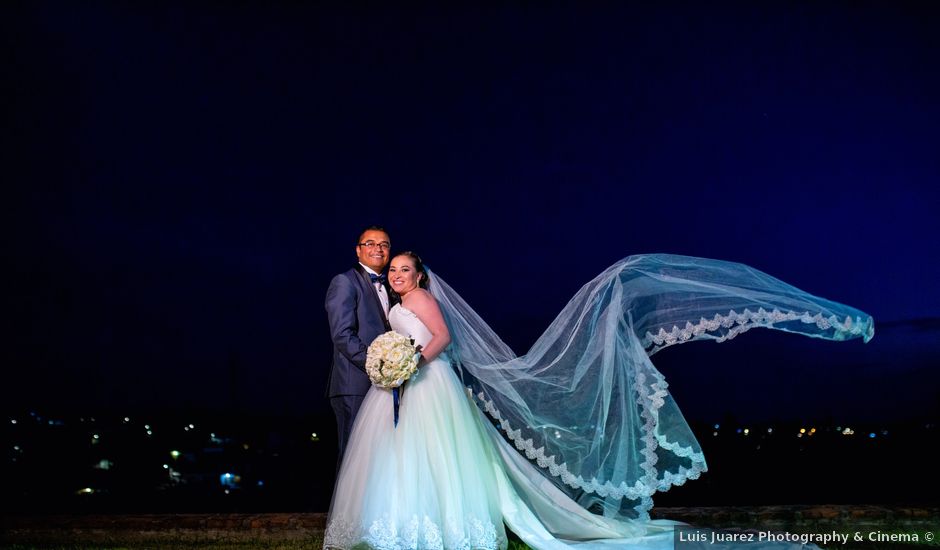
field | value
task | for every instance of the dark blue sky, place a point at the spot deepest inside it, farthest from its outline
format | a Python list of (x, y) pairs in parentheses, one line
[(183, 181)]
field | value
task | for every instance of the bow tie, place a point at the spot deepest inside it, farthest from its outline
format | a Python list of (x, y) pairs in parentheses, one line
[(377, 278)]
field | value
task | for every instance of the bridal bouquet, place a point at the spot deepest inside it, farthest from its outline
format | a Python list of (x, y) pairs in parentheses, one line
[(391, 359)]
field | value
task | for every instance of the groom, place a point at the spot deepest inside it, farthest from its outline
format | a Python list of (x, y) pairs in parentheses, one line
[(357, 304)]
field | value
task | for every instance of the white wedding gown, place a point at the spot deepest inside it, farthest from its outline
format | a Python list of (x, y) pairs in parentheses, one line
[(585, 404), (445, 478)]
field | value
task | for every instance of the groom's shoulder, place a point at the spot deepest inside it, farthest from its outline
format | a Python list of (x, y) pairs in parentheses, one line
[(343, 287), (351, 275)]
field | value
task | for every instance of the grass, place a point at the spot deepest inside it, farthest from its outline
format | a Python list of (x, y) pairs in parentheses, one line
[(123, 543), (164, 544)]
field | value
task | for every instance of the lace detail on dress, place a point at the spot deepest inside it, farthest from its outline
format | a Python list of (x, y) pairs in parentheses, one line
[(416, 534), (736, 323), (650, 402), (340, 534)]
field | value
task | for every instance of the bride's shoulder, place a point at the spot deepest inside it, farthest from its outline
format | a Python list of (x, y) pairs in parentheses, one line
[(418, 296), (419, 300), (423, 292)]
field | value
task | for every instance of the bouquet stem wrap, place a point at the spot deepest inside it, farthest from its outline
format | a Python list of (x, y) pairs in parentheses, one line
[(396, 399)]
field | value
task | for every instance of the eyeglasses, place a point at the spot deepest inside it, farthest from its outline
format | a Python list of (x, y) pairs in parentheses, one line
[(384, 245)]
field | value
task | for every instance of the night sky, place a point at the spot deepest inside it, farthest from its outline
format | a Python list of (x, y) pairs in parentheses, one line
[(183, 180)]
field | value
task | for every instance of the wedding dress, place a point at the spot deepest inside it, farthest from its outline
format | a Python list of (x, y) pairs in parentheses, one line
[(593, 430), (425, 483)]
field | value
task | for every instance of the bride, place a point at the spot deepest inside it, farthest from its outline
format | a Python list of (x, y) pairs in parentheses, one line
[(594, 432)]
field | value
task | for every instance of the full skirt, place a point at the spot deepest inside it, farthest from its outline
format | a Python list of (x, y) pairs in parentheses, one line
[(444, 478)]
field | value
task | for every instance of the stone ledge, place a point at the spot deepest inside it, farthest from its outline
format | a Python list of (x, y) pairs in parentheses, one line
[(305, 526)]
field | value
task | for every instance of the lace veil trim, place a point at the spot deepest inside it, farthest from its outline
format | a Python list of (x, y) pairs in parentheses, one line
[(644, 488), (738, 323), (625, 438)]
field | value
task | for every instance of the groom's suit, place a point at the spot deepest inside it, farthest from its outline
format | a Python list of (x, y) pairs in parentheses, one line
[(356, 319)]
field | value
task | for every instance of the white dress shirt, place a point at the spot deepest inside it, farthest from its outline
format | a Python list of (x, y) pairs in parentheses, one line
[(379, 289)]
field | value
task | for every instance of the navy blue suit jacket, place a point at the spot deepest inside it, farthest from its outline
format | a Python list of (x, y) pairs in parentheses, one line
[(356, 319)]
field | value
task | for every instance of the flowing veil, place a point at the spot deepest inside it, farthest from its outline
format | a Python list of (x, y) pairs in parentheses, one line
[(586, 403)]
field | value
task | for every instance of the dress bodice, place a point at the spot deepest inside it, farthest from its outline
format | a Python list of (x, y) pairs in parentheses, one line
[(405, 322)]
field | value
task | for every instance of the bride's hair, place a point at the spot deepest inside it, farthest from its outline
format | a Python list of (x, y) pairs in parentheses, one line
[(425, 280)]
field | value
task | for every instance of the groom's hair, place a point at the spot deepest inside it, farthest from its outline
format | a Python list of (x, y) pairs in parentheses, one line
[(371, 228)]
